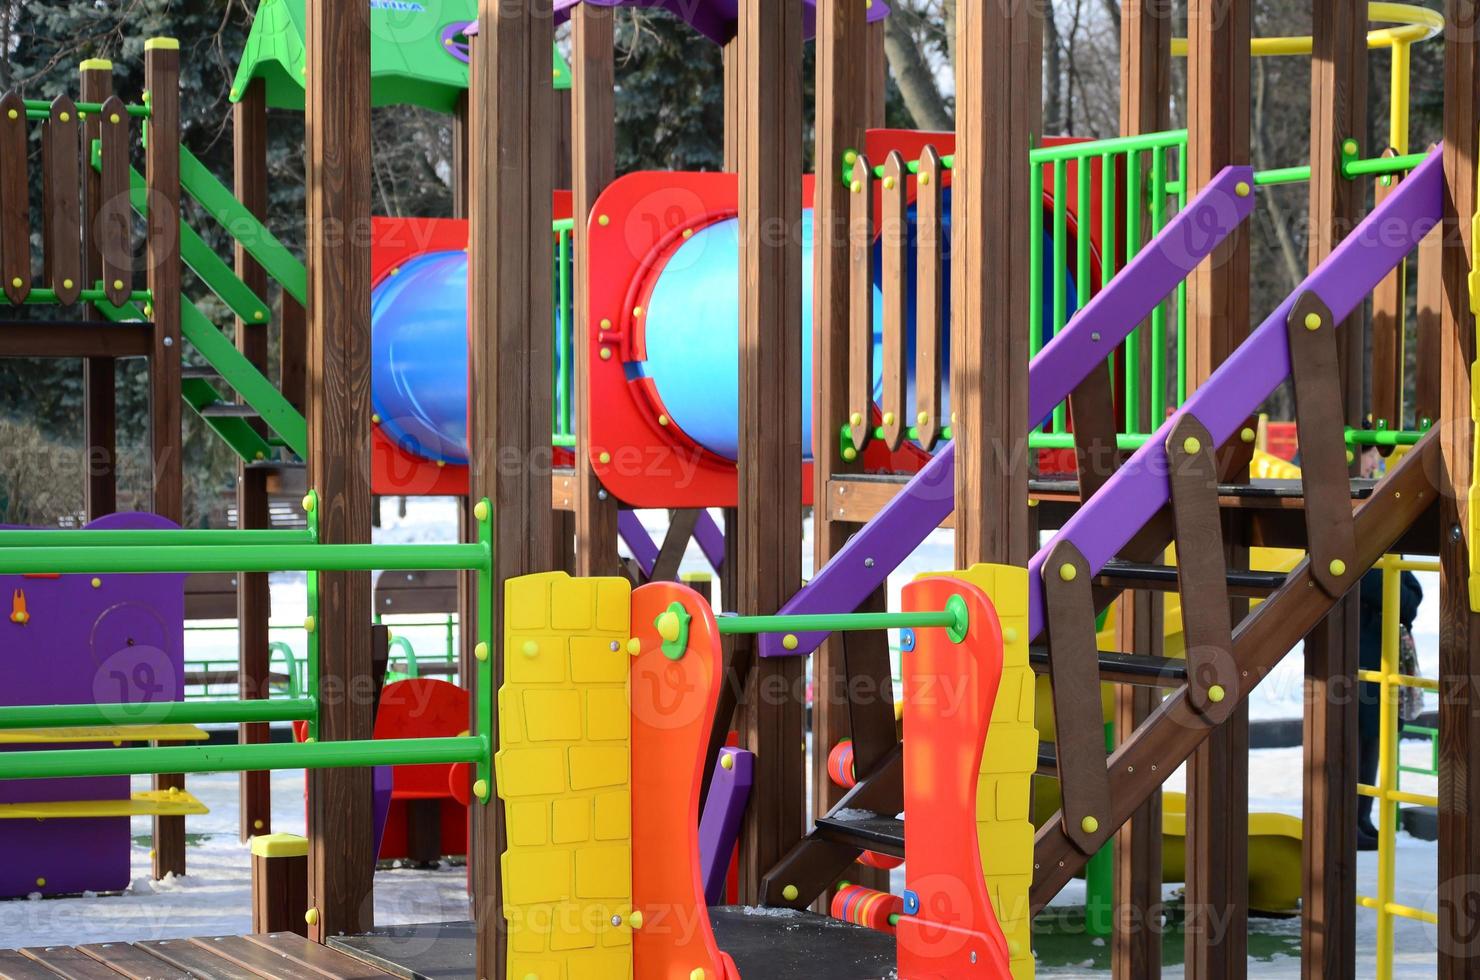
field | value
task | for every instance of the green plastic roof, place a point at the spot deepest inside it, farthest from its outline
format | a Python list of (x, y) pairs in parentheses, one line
[(417, 55)]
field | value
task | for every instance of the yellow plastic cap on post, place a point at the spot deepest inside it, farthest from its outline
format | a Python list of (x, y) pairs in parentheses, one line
[(279, 846), (162, 44), (96, 64)]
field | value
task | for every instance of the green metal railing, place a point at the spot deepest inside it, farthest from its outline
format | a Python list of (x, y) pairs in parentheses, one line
[(563, 404), (173, 550)]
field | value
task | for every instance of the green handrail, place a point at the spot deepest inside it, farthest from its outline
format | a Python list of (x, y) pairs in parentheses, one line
[(41, 109), (293, 557), (197, 537), (952, 617), (155, 713), (241, 758), (290, 666), (408, 653), (48, 297)]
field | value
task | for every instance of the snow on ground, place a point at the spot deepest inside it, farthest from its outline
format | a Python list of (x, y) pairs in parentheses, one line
[(216, 895)]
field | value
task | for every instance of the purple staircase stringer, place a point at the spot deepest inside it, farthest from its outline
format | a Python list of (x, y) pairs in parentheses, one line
[(629, 527), (1085, 343), (1140, 488)]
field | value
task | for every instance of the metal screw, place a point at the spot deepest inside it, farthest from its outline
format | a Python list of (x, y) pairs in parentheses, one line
[(615, 647), (868, 563), (616, 920), (1455, 534), (601, 495), (1095, 336), (973, 956), (169, 341)]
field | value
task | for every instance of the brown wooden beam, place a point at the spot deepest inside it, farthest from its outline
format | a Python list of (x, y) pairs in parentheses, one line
[(78, 338), (999, 109), (99, 387), (593, 166), (510, 308), (1459, 627), (249, 121), (767, 550), (162, 176), (337, 106)]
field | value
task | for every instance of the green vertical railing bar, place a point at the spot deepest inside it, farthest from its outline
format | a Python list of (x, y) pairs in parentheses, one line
[(1158, 351), (1181, 360), (564, 342), (311, 624), (1082, 224), (1107, 218), (1135, 212), (485, 672), (1060, 266), (1035, 266)]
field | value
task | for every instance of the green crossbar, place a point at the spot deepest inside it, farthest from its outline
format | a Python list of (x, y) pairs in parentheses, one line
[(241, 758), (283, 558), (156, 713)]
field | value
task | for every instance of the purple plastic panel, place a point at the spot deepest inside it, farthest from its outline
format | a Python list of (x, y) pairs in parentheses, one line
[(121, 641), (865, 562), (1140, 488), (630, 528), (711, 540), (719, 827), (715, 19), (382, 782)]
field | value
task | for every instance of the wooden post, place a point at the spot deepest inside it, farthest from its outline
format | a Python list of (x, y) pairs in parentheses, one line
[(249, 120), (1135, 948), (999, 110), (1338, 99), (340, 833), (1459, 627), (99, 394), (510, 311), (1217, 773), (279, 882), (767, 550), (844, 106), (593, 166), (162, 176)]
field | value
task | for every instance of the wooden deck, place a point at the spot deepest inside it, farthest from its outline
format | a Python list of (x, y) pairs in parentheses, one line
[(281, 956)]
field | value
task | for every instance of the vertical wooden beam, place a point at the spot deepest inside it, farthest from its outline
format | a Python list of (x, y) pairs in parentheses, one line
[(341, 846), (999, 110), (1217, 773), (162, 175), (768, 546), (99, 394), (1338, 99), (1459, 627), (460, 174), (875, 77), (249, 120), (593, 166), (1135, 944), (510, 311), (732, 81), (844, 98)]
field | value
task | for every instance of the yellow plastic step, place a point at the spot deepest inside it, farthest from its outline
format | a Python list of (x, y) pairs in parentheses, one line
[(117, 734), (147, 803)]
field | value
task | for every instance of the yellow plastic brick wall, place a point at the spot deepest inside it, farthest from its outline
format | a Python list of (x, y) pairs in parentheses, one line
[(563, 772)]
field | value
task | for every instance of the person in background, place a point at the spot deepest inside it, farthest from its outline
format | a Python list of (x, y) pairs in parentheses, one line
[(1370, 658)]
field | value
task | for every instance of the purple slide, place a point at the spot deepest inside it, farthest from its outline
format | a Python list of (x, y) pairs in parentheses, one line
[(1082, 346)]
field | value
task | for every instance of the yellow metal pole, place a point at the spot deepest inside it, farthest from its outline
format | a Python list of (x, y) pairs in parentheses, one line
[(1401, 79), (1387, 768)]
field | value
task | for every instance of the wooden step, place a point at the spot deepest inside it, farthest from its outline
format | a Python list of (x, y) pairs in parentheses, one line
[(204, 371), (863, 829), (1163, 578), (232, 410)]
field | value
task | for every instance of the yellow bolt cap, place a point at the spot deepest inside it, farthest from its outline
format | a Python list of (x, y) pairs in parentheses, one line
[(603, 220), (888, 418), (606, 324), (1191, 446), (17, 282), (634, 646), (480, 789), (66, 284), (308, 624), (311, 917), (256, 824), (606, 353), (849, 453), (635, 919), (727, 761), (605, 457), (789, 641), (698, 973), (924, 179), (308, 503), (1312, 321), (1009, 635), (1090, 825), (1241, 189), (662, 420), (789, 893), (530, 648), (888, 183), (668, 626), (480, 510), (40, 882), (481, 651), (637, 311), (856, 418), (1216, 694), (97, 583), (1247, 434), (1068, 572), (856, 187), (1338, 567)]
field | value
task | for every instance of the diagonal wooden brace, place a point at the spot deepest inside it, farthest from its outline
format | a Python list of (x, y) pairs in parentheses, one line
[(1096, 454), (1202, 578), (1320, 419), (1079, 723)]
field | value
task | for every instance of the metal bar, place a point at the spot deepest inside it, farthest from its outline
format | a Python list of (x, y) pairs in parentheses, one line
[(295, 557), (1060, 270), (83, 108), (241, 758), (155, 713), (838, 622), (57, 538), (48, 297)]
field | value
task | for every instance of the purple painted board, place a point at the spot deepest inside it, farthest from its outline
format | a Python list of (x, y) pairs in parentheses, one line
[(1140, 488), (629, 526), (119, 641), (382, 782), (711, 540), (866, 560), (719, 827)]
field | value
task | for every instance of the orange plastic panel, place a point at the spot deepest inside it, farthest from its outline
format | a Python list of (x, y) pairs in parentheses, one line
[(673, 704), (949, 690)]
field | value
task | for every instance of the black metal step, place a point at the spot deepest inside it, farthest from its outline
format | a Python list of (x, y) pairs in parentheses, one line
[(232, 410), (199, 371), (1125, 668), (1241, 582), (863, 829)]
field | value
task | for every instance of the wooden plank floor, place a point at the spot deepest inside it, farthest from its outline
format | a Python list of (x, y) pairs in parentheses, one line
[(274, 956)]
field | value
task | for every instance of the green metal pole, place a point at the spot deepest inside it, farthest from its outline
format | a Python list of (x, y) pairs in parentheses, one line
[(836, 622), (240, 758), (154, 713), (295, 557), (151, 537)]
